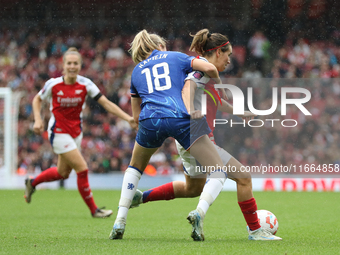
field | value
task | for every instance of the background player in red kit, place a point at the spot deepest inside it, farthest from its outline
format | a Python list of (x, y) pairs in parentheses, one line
[(67, 95)]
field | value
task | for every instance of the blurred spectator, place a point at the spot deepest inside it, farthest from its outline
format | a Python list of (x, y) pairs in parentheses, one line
[(58, 47), (252, 73), (258, 47), (115, 51)]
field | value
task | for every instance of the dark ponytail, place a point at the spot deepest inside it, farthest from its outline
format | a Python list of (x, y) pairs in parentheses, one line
[(205, 43)]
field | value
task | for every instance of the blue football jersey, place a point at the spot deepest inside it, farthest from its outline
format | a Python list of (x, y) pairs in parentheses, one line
[(159, 81)]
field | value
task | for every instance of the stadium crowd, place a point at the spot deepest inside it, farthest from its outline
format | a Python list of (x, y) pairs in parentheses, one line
[(30, 56)]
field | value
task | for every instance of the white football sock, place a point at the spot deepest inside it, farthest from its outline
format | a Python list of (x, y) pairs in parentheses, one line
[(129, 186), (203, 205), (210, 191), (122, 212)]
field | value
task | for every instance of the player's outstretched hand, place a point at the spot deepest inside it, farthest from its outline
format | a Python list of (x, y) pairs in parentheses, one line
[(38, 127), (247, 116), (197, 114), (217, 80), (132, 123)]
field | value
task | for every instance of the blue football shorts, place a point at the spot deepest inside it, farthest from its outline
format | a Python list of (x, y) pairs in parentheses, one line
[(153, 132)]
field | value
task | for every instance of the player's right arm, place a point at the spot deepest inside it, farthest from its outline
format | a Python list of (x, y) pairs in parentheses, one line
[(38, 126), (188, 96), (206, 67), (43, 94), (136, 100), (136, 109)]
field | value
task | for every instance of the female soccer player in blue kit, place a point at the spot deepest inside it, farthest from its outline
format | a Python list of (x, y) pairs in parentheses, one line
[(159, 106), (216, 49)]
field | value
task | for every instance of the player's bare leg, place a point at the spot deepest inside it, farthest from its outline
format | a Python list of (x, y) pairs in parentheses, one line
[(204, 151), (242, 179), (74, 160), (192, 187), (61, 172)]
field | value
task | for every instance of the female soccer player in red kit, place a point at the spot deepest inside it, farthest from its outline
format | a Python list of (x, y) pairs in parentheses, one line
[(67, 95)]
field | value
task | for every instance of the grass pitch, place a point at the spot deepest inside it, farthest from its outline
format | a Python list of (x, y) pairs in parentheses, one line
[(58, 222)]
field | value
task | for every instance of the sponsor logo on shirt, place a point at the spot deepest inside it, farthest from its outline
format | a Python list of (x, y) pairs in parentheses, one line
[(69, 101), (198, 75), (60, 93)]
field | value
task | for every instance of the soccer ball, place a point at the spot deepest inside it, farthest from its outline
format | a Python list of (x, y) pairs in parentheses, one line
[(268, 221)]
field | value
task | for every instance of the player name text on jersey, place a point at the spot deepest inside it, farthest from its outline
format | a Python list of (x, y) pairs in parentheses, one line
[(160, 56)]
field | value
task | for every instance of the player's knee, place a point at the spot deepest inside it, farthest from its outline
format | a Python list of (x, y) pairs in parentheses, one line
[(194, 192), (244, 181), (65, 175)]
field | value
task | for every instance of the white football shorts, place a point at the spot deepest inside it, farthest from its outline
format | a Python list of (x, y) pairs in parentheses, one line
[(189, 162), (62, 143)]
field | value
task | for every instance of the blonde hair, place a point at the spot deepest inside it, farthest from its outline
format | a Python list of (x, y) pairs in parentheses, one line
[(72, 50), (204, 43), (143, 44)]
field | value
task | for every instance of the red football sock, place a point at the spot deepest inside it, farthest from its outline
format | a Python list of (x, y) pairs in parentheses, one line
[(85, 191), (49, 175), (164, 192), (249, 208)]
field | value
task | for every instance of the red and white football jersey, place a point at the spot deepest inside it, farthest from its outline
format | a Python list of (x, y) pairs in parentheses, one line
[(205, 85), (67, 103)]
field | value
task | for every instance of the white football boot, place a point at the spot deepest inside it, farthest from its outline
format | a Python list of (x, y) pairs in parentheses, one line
[(195, 218), (118, 229), (262, 235), (137, 199), (100, 213)]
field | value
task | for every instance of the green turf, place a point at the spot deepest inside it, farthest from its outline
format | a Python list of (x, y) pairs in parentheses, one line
[(58, 222)]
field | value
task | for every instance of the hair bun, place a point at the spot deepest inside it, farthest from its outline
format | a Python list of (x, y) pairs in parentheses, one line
[(72, 49)]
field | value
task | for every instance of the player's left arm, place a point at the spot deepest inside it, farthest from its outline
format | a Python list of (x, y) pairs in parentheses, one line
[(115, 110), (226, 107)]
